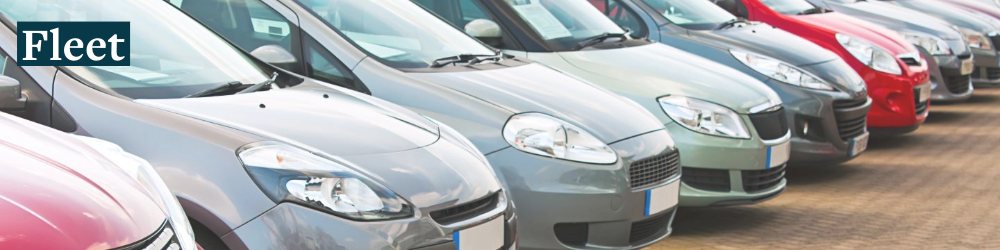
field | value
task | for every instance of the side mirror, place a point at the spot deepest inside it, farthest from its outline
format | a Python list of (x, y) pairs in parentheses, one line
[(274, 54), (486, 31), (11, 98)]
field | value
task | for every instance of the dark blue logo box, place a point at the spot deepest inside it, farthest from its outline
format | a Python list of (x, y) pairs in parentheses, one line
[(78, 38)]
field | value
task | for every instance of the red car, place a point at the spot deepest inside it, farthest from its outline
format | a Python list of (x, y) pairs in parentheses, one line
[(895, 72), (60, 191)]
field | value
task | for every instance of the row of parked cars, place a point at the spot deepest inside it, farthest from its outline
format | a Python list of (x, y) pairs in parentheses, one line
[(422, 124)]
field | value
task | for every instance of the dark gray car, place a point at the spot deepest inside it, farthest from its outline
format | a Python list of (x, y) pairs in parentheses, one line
[(939, 42), (826, 99), (982, 33), (260, 162)]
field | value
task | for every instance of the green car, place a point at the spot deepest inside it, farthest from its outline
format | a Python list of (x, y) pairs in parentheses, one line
[(730, 128)]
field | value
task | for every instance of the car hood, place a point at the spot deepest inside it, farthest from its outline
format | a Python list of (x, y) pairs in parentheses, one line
[(340, 122), (896, 17), (537, 88), (656, 70), (769, 41), (952, 14), (885, 38), (56, 194)]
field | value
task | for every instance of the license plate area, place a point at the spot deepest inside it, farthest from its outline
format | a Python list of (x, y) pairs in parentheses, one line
[(488, 235), (859, 145), (778, 154), (925, 93), (662, 198), (967, 67)]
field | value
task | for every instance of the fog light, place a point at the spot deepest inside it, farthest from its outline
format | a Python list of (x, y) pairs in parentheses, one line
[(805, 129)]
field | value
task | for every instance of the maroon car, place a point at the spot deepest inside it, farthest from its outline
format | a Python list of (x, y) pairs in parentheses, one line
[(64, 192)]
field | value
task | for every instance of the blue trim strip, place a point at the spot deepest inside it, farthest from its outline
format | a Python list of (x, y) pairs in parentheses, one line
[(649, 196), (454, 236), (768, 163)]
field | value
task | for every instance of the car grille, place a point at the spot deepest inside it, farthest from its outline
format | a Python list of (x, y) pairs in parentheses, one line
[(850, 127), (849, 104), (645, 230), (770, 125), (163, 238), (761, 180), (910, 61), (465, 211), (921, 107), (958, 84), (991, 73), (707, 179), (654, 170)]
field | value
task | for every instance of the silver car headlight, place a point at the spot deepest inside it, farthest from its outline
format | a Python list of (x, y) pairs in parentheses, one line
[(933, 44), (704, 117), (290, 174), (541, 134), (781, 71), (976, 39), (871, 55), (144, 173)]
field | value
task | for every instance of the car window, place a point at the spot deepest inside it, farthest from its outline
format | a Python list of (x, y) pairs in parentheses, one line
[(457, 12), (324, 66), (563, 24), (788, 7), (691, 14), (250, 24), (621, 15), (171, 55)]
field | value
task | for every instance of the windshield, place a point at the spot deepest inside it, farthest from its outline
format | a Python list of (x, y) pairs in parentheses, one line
[(172, 56), (399, 32), (788, 7), (691, 14), (563, 23)]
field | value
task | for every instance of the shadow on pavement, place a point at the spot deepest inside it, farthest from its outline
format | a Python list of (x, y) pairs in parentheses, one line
[(946, 117), (981, 98), (816, 175), (692, 221)]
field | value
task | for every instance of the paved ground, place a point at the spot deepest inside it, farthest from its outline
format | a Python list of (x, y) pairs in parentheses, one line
[(938, 188)]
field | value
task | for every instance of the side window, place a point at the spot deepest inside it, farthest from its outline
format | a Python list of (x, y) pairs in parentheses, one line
[(323, 66), (250, 24), (621, 15)]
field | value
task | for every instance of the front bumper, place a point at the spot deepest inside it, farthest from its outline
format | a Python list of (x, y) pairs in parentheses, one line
[(571, 205), (291, 226), (948, 82), (718, 171), (987, 73), (894, 103)]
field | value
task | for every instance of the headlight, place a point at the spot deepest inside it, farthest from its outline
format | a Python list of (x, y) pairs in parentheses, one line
[(140, 169), (781, 71), (545, 135), (871, 55), (936, 46), (976, 39), (291, 174), (704, 117)]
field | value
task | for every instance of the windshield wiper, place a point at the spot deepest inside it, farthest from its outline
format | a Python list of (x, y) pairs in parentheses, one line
[(216, 90), (600, 38), (816, 10), (730, 23), (469, 59), (267, 83)]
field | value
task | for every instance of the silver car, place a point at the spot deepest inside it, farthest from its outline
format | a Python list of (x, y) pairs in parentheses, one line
[(581, 163), (260, 158)]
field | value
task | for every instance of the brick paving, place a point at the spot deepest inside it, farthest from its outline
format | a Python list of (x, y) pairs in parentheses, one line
[(937, 188)]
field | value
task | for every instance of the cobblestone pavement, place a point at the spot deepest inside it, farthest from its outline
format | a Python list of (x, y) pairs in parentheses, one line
[(937, 188)]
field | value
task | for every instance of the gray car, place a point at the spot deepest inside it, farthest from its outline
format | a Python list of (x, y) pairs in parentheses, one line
[(258, 161), (826, 99), (981, 31), (938, 41), (581, 163)]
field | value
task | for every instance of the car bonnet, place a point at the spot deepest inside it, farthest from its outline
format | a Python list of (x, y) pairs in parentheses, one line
[(537, 88), (340, 123), (54, 194), (656, 70), (768, 41), (898, 17), (883, 37)]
